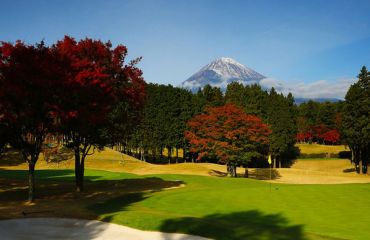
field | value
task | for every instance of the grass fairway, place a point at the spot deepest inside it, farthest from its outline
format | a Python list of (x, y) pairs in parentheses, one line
[(220, 208), (319, 148)]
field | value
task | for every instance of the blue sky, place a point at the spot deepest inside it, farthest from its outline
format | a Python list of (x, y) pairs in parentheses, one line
[(298, 43)]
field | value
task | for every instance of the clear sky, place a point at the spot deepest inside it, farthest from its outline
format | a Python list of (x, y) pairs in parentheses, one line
[(300, 43)]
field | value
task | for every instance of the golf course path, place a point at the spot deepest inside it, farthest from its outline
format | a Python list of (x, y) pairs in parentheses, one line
[(63, 228)]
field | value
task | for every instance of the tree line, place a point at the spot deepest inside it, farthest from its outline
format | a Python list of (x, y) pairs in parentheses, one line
[(320, 122), (168, 111)]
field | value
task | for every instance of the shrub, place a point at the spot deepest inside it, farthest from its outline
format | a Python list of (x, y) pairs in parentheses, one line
[(345, 154)]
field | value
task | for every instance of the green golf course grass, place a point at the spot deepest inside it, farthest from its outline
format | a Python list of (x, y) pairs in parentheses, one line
[(219, 208)]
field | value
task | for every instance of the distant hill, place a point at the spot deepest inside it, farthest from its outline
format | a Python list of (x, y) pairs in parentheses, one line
[(321, 100)]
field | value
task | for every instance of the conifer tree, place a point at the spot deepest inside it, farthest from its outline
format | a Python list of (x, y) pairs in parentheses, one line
[(356, 120), (282, 121)]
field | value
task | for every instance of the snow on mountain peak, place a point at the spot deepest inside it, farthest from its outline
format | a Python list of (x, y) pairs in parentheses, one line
[(221, 72)]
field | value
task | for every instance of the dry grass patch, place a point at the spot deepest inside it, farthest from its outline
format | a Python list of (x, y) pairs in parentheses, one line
[(319, 148), (305, 171)]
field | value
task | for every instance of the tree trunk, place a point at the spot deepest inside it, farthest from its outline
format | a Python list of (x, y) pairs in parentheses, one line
[(145, 154), (77, 169), (360, 166), (356, 159), (31, 181), (161, 153), (231, 170), (364, 161), (82, 174), (169, 152), (246, 173), (274, 159), (177, 155), (279, 163)]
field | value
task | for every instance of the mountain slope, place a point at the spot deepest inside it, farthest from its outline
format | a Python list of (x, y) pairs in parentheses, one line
[(299, 100), (221, 72)]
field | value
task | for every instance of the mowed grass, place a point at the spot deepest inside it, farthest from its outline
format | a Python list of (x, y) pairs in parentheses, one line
[(219, 208), (111, 160), (320, 148)]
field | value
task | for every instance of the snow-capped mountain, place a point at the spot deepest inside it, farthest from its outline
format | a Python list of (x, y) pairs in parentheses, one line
[(221, 72)]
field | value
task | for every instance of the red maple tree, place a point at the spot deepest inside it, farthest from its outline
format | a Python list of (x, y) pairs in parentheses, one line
[(227, 134), (29, 78), (97, 80), (331, 136), (304, 136)]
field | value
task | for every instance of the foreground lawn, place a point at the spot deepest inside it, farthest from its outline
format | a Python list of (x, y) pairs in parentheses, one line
[(220, 208)]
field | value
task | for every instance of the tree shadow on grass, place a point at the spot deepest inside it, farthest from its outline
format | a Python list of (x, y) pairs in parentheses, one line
[(251, 225), (111, 207), (137, 190), (58, 183), (264, 174), (217, 173), (256, 173), (56, 196), (349, 170)]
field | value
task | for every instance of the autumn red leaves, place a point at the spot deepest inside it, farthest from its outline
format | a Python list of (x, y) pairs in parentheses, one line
[(225, 133), (72, 81), (320, 133), (68, 89)]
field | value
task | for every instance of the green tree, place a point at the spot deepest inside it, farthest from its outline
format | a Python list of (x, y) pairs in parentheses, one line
[(255, 101), (212, 96), (356, 120), (282, 121), (235, 93)]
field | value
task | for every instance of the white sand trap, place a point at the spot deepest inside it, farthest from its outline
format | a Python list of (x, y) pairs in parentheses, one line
[(63, 228)]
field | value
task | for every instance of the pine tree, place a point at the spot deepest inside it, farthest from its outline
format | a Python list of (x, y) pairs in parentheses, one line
[(282, 121), (356, 120)]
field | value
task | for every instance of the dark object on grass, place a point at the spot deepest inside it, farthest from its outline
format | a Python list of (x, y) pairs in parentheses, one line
[(25, 214), (349, 170)]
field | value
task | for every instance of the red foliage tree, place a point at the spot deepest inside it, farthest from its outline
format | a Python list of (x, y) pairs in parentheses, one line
[(97, 79), (332, 136), (300, 137), (228, 134), (318, 131), (29, 78), (304, 136)]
